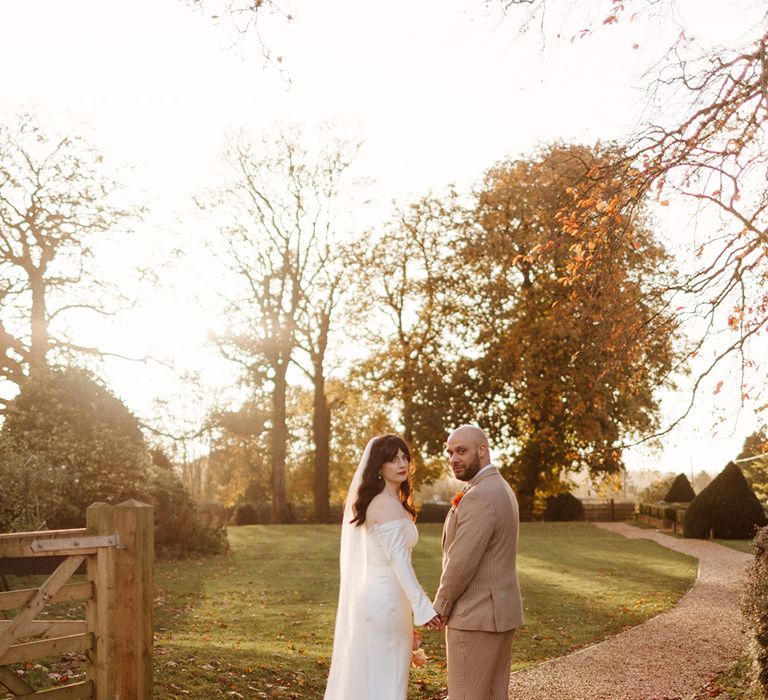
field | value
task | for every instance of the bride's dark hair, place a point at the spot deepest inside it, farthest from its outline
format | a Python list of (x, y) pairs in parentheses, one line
[(384, 449)]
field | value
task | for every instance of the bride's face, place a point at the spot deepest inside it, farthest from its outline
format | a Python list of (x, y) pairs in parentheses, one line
[(396, 470)]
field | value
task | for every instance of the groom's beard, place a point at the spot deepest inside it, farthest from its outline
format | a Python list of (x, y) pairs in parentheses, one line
[(471, 471)]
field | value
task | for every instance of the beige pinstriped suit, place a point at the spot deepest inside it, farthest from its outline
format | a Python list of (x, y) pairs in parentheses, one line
[(479, 591)]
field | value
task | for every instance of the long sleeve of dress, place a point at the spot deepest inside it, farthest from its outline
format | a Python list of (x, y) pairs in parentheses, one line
[(392, 538)]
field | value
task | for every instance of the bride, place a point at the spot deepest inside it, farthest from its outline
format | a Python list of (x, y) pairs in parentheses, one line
[(378, 590)]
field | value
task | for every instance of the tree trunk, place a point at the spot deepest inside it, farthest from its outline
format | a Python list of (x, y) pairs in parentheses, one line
[(409, 425), (321, 434), (406, 396), (39, 340), (278, 444), (528, 467)]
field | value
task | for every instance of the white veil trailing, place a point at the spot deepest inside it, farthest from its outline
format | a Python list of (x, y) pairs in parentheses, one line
[(350, 657)]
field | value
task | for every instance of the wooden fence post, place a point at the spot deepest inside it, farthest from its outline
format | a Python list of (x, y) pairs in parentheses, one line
[(133, 601), (100, 610)]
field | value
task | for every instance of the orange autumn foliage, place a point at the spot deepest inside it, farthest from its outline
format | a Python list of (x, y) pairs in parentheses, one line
[(574, 330)]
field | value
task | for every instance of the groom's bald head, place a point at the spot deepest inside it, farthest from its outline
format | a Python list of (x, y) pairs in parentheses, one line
[(472, 434), (468, 451)]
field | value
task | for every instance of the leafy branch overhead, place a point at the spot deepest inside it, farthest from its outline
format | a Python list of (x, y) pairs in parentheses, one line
[(708, 154)]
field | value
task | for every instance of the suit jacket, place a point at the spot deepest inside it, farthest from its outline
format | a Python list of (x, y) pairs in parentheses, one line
[(479, 588)]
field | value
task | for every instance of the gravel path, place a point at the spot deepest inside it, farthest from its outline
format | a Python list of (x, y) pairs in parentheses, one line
[(670, 656)]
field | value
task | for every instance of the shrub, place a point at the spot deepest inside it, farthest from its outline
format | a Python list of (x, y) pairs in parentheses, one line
[(727, 507), (30, 490), (652, 509), (670, 511), (214, 514), (179, 531), (83, 439), (664, 511), (335, 512), (754, 605), (563, 507), (245, 514), (681, 490), (433, 512)]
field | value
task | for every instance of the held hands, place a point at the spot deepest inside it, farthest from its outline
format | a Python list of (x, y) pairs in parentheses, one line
[(418, 657), (436, 624)]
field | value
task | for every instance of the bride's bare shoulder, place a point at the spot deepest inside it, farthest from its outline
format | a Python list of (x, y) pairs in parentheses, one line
[(382, 509)]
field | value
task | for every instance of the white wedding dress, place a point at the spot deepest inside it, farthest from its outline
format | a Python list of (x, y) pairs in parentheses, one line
[(379, 600)]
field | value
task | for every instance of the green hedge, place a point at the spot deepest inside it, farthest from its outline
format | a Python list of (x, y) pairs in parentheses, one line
[(245, 514), (433, 512), (754, 605), (664, 511), (563, 507), (727, 508)]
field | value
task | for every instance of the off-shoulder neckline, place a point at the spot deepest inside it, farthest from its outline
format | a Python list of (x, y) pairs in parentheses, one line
[(390, 522)]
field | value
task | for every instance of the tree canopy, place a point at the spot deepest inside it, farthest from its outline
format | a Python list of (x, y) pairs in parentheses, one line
[(69, 426), (709, 152), (56, 200), (753, 460), (565, 365)]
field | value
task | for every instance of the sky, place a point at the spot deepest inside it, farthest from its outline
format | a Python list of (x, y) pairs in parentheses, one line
[(437, 91)]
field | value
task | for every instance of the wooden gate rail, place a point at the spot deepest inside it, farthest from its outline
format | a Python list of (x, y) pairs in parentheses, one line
[(19, 544), (117, 549)]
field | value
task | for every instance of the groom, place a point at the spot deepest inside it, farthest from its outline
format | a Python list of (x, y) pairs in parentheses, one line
[(479, 596)]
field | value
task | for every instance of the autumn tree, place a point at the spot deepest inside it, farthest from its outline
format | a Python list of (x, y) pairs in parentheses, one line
[(563, 366), (356, 416), (753, 461), (657, 489), (238, 464), (279, 208), (404, 286), (709, 152), (246, 18), (55, 202), (320, 321)]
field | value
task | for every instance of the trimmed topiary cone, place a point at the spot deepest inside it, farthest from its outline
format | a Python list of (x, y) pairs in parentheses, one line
[(681, 490), (727, 508)]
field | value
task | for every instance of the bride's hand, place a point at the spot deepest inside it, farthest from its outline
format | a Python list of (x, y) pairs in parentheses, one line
[(435, 624)]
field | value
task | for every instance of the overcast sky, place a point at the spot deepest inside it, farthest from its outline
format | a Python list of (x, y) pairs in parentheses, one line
[(437, 90)]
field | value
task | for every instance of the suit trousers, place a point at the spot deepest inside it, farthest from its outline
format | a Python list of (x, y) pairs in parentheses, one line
[(478, 664)]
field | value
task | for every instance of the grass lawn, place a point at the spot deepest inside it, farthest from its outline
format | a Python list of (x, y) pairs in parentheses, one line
[(741, 545), (732, 684), (258, 623)]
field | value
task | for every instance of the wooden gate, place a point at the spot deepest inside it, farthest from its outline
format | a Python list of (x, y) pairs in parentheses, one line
[(117, 549)]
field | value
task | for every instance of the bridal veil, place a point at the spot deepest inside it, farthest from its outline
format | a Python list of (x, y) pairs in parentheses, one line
[(350, 659)]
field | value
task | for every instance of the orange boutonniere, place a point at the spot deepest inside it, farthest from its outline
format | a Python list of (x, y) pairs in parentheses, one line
[(455, 500)]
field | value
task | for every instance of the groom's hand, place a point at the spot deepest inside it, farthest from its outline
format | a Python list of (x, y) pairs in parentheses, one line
[(434, 624)]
